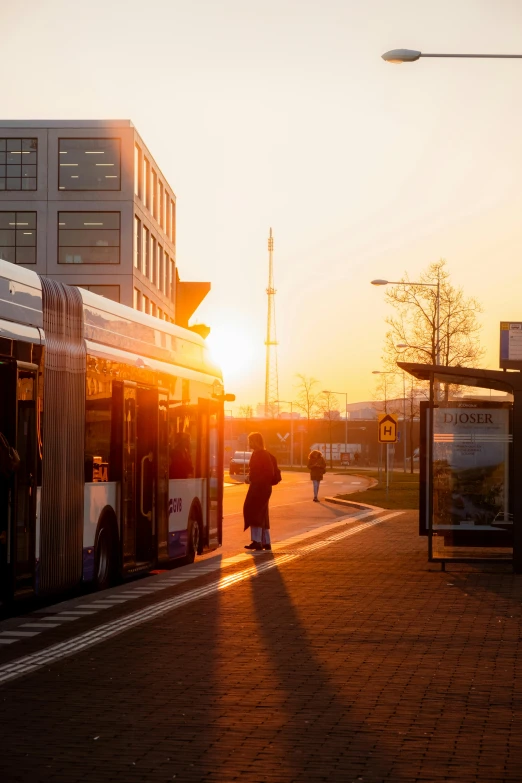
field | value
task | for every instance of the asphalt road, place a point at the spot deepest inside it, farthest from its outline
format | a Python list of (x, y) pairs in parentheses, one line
[(292, 510)]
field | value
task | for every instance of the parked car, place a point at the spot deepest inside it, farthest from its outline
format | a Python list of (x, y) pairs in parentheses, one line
[(239, 463)]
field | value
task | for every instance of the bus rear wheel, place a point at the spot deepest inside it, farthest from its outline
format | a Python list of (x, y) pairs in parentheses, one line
[(104, 562), (193, 539)]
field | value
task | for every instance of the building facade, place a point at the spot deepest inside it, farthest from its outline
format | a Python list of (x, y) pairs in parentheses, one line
[(84, 202)]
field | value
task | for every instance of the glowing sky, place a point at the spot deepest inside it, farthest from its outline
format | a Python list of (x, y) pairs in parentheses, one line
[(281, 113)]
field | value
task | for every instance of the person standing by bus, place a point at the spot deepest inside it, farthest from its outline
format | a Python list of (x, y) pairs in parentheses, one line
[(180, 466), (255, 507), (317, 467)]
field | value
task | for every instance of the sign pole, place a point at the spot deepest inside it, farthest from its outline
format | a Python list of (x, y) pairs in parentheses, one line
[(387, 470)]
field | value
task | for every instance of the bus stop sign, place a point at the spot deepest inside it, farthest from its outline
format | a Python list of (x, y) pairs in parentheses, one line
[(388, 428)]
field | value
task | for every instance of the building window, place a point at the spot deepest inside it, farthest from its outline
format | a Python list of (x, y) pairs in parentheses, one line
[(167, 214), (171, 287), (153, 265), (18, 159), (138, 171), (145, 304), (89, 164), (146, 252), (88, 237), (137, 242), (137, 299), (161, 217), (160, 313), (166, 275), (160, 268), (146, 182), (154, 193), (108, 291), (18, 237), (173, 222), (153, 309)]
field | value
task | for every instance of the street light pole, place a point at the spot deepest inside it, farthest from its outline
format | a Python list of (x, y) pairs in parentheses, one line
[(326, 391), (286, 402)]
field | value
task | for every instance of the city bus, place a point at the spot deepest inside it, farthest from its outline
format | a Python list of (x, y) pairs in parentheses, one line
[(117, 418)]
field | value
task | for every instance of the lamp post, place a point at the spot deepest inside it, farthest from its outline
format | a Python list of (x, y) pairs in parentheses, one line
[(286, 402), (404, 347), (398, 56), (329, 391), (425, 285)]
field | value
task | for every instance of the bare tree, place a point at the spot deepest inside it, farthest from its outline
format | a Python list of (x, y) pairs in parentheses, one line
[(415, 323), (329, 406), (386, 393), (307, 398)]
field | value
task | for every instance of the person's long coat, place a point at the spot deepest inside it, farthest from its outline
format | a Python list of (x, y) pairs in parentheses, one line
[(255, 508), (316, 466)]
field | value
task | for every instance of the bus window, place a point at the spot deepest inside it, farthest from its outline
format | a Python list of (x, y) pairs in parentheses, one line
[(98, 407), (183, 439)]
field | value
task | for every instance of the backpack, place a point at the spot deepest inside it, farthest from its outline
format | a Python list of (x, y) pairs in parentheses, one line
[(9, 458), (277, 473)]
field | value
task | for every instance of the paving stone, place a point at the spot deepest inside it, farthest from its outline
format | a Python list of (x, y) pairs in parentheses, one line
[(358, 662)]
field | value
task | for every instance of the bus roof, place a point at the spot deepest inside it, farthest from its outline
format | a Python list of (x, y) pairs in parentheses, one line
[(106, 322)]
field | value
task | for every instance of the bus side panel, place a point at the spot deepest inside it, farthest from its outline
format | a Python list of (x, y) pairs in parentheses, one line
[(182, 494), (97, 496)]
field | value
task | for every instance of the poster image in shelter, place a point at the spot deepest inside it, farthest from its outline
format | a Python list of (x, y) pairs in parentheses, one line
[(471, 444)]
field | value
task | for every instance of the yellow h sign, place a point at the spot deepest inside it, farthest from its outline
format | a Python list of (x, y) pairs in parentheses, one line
[(388, 428)]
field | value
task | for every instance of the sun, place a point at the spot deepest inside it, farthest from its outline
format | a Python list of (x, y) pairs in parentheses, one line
[(233, 349)]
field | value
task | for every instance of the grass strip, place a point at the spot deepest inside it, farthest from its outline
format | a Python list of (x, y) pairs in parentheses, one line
[(403, 491)]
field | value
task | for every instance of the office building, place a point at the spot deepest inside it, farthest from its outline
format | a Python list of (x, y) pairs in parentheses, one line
[(84, 202)]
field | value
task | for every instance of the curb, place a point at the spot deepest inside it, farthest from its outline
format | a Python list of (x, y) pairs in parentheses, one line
[(353, 504)]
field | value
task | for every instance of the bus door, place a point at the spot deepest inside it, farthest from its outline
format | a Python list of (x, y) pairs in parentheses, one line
[(18, 423), (162, 495), (123, 465), (212, 467), (147, 469)]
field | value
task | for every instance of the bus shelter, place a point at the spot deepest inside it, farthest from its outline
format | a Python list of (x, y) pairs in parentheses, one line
[(470, 465)]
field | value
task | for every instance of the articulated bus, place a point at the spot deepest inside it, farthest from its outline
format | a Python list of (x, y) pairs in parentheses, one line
[(117, 418)]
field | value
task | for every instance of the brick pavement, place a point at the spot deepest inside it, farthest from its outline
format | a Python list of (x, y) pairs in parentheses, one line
[(358, 662)]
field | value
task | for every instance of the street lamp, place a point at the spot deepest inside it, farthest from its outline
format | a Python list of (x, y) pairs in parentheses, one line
[(426, 285), (399, 56), (404, 346), (326, 391), (286, 402)]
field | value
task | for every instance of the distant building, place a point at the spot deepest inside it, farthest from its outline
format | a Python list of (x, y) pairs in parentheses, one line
[(332, 415), (84, 202), (363, 413)]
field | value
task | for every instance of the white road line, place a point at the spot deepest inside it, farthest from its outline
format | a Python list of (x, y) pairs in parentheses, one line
[(8, 641), (56, 652), (19, 633), (41, 626), (77, 612)]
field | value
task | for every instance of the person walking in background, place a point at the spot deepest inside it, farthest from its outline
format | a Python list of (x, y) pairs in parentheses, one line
[(255, 508), (317, 466)]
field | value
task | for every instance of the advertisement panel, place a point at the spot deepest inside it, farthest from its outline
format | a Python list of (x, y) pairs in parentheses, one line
[(471, 443)]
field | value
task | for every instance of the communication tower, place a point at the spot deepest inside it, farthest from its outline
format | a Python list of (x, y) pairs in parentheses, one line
[(271, 378)]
